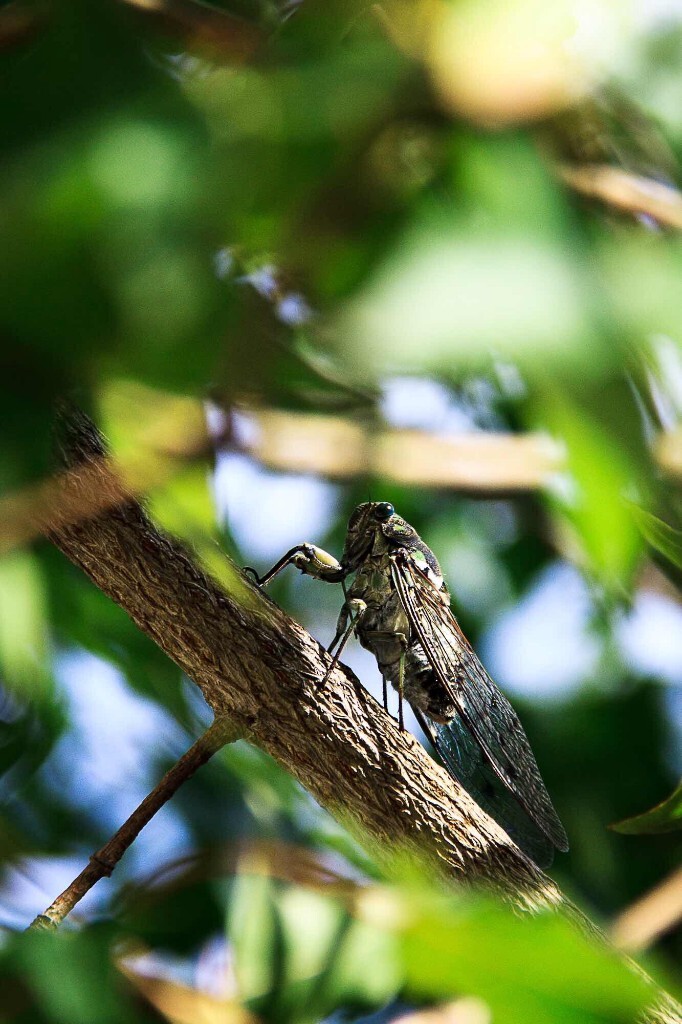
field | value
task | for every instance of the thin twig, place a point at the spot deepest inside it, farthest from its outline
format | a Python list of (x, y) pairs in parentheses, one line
[(196, 26), (632, 193), (102, 863), (651, 916), (200, 26)]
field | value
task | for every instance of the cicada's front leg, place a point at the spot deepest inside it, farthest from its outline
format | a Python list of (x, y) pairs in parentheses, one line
[(317, 562), (310, 559)]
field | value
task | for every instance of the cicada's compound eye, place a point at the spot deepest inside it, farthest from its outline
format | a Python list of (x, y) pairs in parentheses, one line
[(383, 511)]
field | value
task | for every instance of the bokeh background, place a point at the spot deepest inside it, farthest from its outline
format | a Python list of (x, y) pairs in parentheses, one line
[(291, 256)]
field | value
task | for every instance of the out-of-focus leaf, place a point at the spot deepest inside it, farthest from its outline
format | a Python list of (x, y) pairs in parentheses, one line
[(662, 537), (312, 927), (499, 62), (638, 275), (24, 647), (269, 790), (177, 916), (349, 980), (138, 420), (72, 977), (186, 507), (524, 968), (102, 171), (448, 298), (594, 496), (27, 736), (252, 930), (665, 817), (303, 955)]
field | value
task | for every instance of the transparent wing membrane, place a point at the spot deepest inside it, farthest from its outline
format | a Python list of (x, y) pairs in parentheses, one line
[(464, 759), (485, 745)]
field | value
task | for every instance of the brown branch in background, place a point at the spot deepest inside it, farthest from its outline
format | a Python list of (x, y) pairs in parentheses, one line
[(20, 22), (483, 464), (344, 448), (480, 464), (213, 31), (629, 192), (105, 860), (668, 452), (656, 913), (181, 1004)]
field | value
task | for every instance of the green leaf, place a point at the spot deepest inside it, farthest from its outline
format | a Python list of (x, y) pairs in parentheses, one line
[(524, 968), (662, 537), (448, 298), (593, 498), (664, 817), (252, 932), (72, 977), (24, 648)]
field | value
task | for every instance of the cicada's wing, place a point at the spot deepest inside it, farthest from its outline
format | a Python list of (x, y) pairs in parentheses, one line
[(466, 762), (484, 711)]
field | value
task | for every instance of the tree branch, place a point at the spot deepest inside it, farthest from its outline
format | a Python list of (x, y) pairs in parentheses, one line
[(260, 669), (103, 862), (200, 26), (193, 24)]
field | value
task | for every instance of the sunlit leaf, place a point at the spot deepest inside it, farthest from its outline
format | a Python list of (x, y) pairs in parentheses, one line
[(448, 298), (252, 930), (72, 977), (524, 968), (662, 537), (24, 651), (593, 494), (665, 817)]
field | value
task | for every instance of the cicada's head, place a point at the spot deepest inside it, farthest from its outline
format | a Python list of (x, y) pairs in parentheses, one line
[(376, 528), (371, 522), (363, 526)]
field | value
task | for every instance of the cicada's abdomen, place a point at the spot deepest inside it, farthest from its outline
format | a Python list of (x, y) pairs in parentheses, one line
[(422, 687)]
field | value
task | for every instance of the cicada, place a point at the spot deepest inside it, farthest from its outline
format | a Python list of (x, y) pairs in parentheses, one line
[(398, 606)]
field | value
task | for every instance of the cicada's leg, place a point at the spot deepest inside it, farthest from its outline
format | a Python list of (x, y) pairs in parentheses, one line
[(401, 683), (341, 626), (311, 560), (354, 611), (382, 634)]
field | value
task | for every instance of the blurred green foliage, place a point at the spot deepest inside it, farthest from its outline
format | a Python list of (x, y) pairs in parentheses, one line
[(146, 187), (665, 817)]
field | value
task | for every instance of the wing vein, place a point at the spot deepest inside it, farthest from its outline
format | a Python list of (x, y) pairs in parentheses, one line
[(485, 712)]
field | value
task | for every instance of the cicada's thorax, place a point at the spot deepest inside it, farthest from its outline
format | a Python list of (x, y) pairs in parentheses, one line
[(384, 629)]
